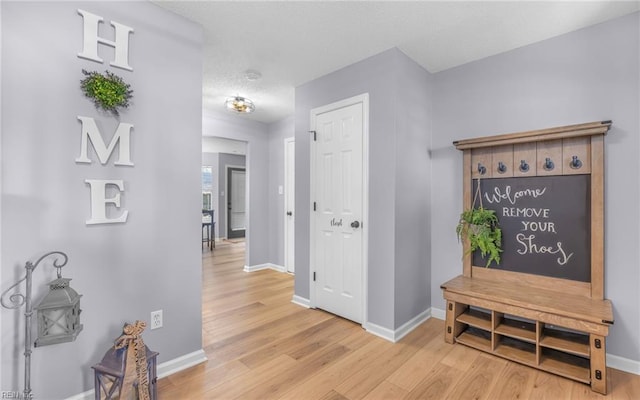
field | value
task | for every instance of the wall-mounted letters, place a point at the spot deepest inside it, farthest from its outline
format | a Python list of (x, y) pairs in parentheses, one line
[(89, 129)]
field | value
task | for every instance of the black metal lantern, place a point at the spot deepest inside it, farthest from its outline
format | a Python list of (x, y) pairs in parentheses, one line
[(111, 379), (58, 314)]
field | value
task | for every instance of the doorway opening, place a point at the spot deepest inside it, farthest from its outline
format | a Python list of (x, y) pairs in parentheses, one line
[(236, 202), (221, 155)]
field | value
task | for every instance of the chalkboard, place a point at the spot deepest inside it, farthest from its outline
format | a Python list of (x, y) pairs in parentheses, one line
[(545, 222)]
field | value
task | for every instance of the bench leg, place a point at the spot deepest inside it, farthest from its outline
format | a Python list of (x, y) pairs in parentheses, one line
[(452, 328), (598, 364)]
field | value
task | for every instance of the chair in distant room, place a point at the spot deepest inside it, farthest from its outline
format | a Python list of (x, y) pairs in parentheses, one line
[(208, 228)]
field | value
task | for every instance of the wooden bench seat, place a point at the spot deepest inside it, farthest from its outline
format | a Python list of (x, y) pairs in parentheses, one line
[(562, 333), (540, 301)]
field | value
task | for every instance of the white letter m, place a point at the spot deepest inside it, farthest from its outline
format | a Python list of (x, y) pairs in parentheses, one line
[(90, 132)]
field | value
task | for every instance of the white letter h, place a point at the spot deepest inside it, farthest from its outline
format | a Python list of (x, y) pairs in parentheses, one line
[(91, 40)]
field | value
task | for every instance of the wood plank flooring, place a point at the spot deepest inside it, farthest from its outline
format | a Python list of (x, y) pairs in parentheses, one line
[(262, 346)]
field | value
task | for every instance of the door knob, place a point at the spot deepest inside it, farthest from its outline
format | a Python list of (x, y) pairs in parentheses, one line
[(289, 213), (355, 224)]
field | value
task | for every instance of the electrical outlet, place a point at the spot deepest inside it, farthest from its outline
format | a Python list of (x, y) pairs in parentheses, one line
[(156, 319)]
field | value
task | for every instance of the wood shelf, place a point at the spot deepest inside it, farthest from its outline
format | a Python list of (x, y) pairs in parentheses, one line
[(569, 342), (516, 350), (566, 365), (474, 317), (517, 329), (476, 338), (561, 350)]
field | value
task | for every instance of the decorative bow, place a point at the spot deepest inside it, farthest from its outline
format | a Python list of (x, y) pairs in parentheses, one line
[(136, 361)]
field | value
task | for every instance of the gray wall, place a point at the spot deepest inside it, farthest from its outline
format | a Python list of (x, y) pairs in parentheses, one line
[(124, 271), (231, 126), (278, 131), (587, 75), (412, 191), (379, 76)]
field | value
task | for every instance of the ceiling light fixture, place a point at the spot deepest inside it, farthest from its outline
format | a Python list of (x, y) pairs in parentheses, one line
[(252, 75), (240, 105)]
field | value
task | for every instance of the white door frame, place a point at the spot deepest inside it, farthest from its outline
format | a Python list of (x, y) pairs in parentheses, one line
[(288, 207), (364, 99), (226, 196)]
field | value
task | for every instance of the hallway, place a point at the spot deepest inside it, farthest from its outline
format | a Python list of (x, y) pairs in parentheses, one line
[(262, 346)]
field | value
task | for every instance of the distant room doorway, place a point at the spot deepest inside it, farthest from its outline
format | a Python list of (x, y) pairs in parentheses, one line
[(236, 202)]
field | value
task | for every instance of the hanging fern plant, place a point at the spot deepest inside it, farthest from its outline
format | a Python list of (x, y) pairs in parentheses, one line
[(108, 91), (480, 227)]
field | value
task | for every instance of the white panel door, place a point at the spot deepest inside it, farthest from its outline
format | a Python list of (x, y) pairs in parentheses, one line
[(338, 194)]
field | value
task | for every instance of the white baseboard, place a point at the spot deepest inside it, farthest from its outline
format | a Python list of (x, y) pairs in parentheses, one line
[(183, 362), (380, 331), (88, 395), (397, 334), (165, 369), (438, 313), (301, 301), (623, 364), (254, 268), (412, 324), (613, 361)]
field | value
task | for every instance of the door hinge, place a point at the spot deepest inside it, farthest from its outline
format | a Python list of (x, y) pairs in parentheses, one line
[(314, 206), (314, 135), (314, 276)]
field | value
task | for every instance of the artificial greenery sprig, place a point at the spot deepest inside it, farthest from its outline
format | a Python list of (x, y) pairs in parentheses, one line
[(108, 91)]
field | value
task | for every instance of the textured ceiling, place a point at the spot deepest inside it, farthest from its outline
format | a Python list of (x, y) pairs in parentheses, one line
[(291, 43)]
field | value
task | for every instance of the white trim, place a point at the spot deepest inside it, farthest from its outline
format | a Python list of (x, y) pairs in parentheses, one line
[(285, 203), (259, 267), (623, 364), (412, 324), (301, 301), (165, 369), (397, 334), (181, 363), (379, 331), (365, 206), (88, 395), (613, 361), (438, 313), (364, 99)]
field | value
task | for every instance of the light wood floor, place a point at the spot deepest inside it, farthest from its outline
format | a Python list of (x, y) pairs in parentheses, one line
[(261, 346)]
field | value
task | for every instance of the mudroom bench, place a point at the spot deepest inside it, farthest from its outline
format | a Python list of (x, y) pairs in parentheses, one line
[(558, 332), (541, 303)]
